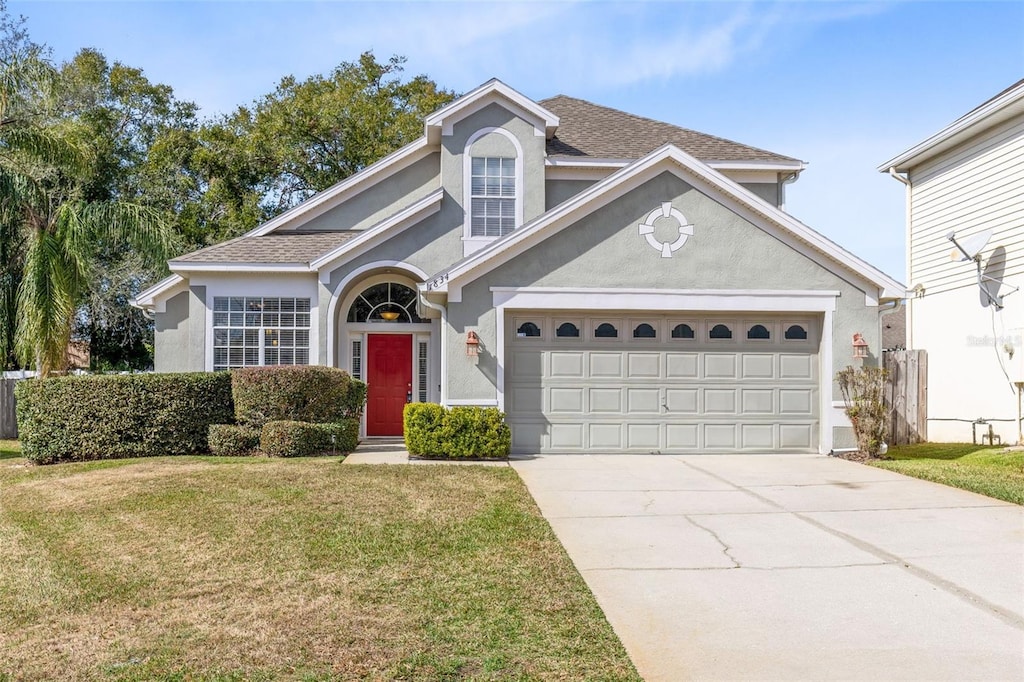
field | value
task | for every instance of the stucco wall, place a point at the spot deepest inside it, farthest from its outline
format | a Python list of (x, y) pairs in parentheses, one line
[(381, 200), (605, 250), (561, 190), (769, 191), (171, 338)]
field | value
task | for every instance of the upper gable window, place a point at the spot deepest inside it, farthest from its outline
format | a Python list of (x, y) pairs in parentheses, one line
[(492, 196)]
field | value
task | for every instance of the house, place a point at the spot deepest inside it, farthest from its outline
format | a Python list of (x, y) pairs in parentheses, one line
[(967, 181), (612, 283)]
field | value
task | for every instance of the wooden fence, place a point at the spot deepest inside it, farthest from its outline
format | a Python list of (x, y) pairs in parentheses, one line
[(907, 396), (8, 424)]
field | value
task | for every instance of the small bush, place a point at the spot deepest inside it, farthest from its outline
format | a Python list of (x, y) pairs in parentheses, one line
[(423, 424), (78, 418), (863, 390), (287, 438), (295, 393), (229, 440), (459, 432)]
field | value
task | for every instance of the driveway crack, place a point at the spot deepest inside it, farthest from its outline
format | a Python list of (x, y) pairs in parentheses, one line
[(726, 549)]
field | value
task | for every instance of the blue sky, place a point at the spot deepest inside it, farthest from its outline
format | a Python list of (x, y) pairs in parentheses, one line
[(844, 86)]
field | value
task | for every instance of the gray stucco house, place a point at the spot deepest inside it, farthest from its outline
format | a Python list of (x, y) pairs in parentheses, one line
[(613, 283)]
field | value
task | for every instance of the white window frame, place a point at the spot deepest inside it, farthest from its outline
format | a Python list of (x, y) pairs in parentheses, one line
[(261, 331), (471, 243)]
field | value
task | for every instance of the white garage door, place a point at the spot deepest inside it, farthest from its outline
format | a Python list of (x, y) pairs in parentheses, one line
[(577, 382)]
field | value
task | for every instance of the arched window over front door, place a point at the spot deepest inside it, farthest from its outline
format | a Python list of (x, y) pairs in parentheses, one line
[(385, 302)]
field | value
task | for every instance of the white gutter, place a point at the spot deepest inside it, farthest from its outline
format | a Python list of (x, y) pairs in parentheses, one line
[(908, 203)]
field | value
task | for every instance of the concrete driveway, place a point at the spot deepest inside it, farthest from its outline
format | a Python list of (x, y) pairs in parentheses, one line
[(790, 567)]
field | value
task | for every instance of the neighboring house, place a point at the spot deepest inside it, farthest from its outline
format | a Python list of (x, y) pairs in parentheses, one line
[(968, 179), (612, 283)]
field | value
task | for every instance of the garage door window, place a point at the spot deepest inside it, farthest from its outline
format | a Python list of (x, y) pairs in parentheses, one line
[(796, 333), (682, 331), (720, 331), (528, 330), (567, 330), (645, 331), (606, 330), (759, 332)]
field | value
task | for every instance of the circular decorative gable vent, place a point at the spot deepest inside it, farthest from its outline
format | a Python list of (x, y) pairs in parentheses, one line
[(666, 211)]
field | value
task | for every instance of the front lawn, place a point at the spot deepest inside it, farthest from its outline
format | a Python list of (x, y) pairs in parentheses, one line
[(989, 471), (9, 449), (262, 569)]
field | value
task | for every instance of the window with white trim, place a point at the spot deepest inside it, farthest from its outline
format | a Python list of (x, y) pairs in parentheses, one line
[(492, 196), (422, 360), (357, 359), (253, 330)]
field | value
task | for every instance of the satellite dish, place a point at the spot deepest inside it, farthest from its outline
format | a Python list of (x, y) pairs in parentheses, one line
[(971, 246)]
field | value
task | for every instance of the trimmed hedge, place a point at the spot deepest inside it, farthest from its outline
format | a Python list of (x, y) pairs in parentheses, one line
[(288, 438), (111, 416), (230, 440), (459, 432), (304, 393)]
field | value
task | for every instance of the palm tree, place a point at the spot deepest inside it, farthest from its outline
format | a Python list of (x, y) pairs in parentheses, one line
[(49, 234)]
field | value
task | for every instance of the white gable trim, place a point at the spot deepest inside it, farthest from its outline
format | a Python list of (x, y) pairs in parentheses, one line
[(154, 299), (732, 195), (232, 266), (399, 222), (992, 113), (321, 202), (442, 121)]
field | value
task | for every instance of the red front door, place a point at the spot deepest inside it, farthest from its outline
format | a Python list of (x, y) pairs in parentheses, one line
[(388, 382)]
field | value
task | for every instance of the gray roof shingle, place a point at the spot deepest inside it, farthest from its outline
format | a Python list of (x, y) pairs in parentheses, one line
[(276, 247), (588, 129)]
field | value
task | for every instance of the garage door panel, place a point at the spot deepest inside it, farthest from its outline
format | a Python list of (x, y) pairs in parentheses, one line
[(797, 436), (758, 401), (606, 400), (663, 394), (718, 401), (643, 436), (644, 365), (792, 366), (719, 365), (682, 400), (566, 364), (643, 400), (757, 436), (605, 436), (682, 365), (526, 365), (567, 436), (566, 400), (797, 401), (758, 366), (606, 365), (682, 436), (720, 436)]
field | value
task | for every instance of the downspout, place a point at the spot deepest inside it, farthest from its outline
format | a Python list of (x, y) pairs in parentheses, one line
[(443, 309), (908, 203)]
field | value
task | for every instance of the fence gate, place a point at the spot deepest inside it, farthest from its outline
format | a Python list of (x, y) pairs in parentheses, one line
[(8, 423), (906, 396)]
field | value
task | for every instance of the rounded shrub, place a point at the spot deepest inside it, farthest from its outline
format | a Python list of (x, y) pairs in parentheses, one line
[(459, 432), (295, 393), (231, 440), (287, 438)]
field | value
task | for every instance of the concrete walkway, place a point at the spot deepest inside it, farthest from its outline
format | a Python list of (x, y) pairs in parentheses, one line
[(790, 567)]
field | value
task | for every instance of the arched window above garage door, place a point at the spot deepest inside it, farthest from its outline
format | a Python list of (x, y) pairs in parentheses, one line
[(720, 331)]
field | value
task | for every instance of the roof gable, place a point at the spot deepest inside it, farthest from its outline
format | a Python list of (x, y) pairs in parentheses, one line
[(441, 122), (795, 234)]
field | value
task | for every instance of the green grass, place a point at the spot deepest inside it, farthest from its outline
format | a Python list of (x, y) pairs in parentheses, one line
[(988, 471), (262, 569), (10, 449)]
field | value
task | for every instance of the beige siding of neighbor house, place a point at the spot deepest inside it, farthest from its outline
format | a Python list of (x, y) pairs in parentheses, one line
[(977, 186)]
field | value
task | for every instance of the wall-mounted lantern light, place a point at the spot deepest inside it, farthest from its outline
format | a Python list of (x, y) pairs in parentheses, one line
[(860, 347), (473, 346)]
